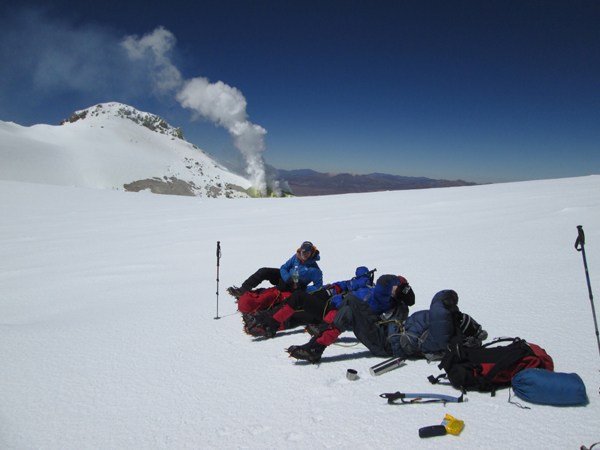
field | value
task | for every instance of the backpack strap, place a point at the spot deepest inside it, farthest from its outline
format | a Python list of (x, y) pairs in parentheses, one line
[(510, 359), (455, 354), (436, 380), (407, 344), (504, 339)]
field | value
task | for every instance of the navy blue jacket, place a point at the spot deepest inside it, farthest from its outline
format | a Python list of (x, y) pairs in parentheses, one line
[(427, 331)]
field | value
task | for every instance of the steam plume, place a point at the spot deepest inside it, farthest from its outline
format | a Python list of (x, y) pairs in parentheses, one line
[(218, 102)]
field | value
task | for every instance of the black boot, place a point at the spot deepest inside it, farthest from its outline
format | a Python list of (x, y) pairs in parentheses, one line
[(263, 324), (311, 351), (317, 328), (248, 318), (235, 292)]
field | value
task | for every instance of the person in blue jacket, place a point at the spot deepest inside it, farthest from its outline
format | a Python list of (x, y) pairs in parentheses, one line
[(381, 296), (303, 308), (424, 333), (390, 293), (310, 276)]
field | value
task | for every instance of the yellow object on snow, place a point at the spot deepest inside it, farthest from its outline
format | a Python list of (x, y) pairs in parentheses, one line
[(453, 426)]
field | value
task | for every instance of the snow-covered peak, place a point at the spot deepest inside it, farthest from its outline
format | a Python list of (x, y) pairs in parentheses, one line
[(115, 146), (106, 111)]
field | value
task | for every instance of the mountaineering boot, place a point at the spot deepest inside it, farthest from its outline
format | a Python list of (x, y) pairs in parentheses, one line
[(235, 292), (312, 328), (263, 325), (248, 318), (269, 323), (316, 328), (326, 334), (311, 351), (259, 330)]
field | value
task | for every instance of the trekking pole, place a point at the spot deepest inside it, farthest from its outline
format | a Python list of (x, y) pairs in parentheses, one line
[(580, 247), (218, 259)]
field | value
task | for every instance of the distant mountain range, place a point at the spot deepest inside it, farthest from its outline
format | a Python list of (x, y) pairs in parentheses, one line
[(306, 182)]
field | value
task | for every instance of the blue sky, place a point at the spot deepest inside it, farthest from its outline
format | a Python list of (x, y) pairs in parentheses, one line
[(484, 91)]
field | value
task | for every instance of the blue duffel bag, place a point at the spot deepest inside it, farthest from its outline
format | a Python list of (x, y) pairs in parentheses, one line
[(549, 388)]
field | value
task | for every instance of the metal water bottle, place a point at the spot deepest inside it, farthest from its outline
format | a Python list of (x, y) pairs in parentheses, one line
[(386, 366)]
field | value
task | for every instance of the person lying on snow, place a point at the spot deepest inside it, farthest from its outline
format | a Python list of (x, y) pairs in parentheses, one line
[(425, 334), (391, 293), (305, 260), (304, 308)]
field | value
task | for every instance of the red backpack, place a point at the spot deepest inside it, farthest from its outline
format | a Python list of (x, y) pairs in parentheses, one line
[(490, 366), (252, 301)]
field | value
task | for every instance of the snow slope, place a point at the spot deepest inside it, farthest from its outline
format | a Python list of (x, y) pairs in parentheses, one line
[(112, 145), (107, 306)]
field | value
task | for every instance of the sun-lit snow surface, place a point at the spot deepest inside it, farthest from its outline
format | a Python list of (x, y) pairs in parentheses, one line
[(110, 147), (109, 341)]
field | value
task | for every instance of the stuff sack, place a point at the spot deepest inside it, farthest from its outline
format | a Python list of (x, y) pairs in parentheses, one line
[(490, 366), (549, 388), (252, 301)]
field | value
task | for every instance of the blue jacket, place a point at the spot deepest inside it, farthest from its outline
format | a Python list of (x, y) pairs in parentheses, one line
[(308, 271), (427, 331), (377, 297), (360, 280)]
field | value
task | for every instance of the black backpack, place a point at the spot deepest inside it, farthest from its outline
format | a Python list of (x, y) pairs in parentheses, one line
[(490, 366)]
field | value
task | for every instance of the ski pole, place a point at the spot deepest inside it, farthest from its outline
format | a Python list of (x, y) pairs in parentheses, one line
[(580, 247), (218, 259)]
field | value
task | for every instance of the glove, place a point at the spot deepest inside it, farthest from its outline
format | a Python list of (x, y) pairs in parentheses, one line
[(477, 340)]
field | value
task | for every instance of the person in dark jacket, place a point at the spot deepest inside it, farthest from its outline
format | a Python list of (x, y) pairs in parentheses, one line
[(310, 276), (390, 293), (424, 333)]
